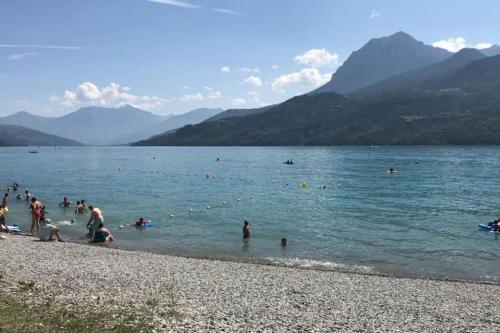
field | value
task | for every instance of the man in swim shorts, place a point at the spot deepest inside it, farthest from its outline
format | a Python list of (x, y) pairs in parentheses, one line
[(96, 218)]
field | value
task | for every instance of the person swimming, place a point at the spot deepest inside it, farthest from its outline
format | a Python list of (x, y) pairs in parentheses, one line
[(27, 195), (140, 222), (79, 208), (65, 203)]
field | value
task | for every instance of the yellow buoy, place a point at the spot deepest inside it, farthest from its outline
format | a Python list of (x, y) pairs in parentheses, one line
[(303, 184)]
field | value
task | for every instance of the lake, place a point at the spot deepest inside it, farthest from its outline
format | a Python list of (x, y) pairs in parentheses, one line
[(350, 214)]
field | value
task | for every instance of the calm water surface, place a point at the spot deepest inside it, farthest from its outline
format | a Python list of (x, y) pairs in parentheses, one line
[(421, 221)]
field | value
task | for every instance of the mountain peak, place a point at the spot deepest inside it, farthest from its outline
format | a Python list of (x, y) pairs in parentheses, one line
[(382, 58)]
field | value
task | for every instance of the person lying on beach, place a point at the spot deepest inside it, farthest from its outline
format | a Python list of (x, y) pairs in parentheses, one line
[(246, 229), (36, 213), (65, 203), (96, 218), (48, 231), (102, 235)]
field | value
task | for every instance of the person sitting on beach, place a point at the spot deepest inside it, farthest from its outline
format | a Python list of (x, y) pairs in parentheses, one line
[(3, 223), (28, 195), (96, 218), (36, 213), (140, 222), (102, 234), (48, 231), (65, 203), (246, 229), (4, 200)]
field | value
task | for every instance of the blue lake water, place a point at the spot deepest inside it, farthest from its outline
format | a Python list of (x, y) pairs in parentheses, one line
[(421, 221)]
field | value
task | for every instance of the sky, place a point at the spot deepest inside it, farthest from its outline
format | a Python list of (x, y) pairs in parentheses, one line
[(173, 56)]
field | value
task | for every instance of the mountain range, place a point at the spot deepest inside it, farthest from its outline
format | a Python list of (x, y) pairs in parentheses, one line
[(424, 95), (107, 126), (12, 135)]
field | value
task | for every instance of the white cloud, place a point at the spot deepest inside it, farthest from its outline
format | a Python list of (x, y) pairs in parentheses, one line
[(254, 80), (215, 94), (250, 70), (225, 69), (374, 14), (25, 46), (274, 67), (317, 58), (18, 56), (227, 11), (112, 95), (192, 97), (481, 46), (239, 101), (177, 3), (458, 43), (306, 76), (254, 96)]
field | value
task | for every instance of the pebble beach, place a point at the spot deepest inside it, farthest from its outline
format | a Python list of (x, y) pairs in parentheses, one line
[(181, 294)]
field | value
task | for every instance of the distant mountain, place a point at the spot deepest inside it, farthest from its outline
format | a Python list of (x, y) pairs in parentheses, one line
[(491, 51), (91, 125), (461, 107), (173, 122), (382, 58), (239, 113), (12, 135), (417, 78), (479, 74)]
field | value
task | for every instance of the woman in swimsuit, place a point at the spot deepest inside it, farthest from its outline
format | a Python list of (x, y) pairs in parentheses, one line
[(36, 213)]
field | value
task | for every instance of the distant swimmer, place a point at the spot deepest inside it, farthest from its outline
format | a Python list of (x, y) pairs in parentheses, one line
[(96, 218), (284, 242), (217, 159), (288, 162), (65, 203), (27, 196), (140, 222), (392, 171), (102, 234), (246, 229), (19, 196)]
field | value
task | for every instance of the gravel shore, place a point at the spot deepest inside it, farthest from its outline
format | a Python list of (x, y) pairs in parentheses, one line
[(196, 295)]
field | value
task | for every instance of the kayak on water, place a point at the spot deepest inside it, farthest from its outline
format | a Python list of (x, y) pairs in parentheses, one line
[(486, 227)]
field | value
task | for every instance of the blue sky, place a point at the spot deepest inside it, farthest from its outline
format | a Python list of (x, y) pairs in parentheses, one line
[(172, 56)]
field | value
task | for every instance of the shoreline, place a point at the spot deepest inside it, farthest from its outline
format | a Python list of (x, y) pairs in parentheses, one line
[(193, 294)]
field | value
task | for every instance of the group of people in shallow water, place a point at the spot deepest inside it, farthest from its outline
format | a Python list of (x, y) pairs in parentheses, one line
[(44, 228)]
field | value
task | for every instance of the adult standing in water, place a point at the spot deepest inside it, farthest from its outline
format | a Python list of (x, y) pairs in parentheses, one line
[(246, 230), (36, 213), (96, 218), (65, 203), (4, 200)]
